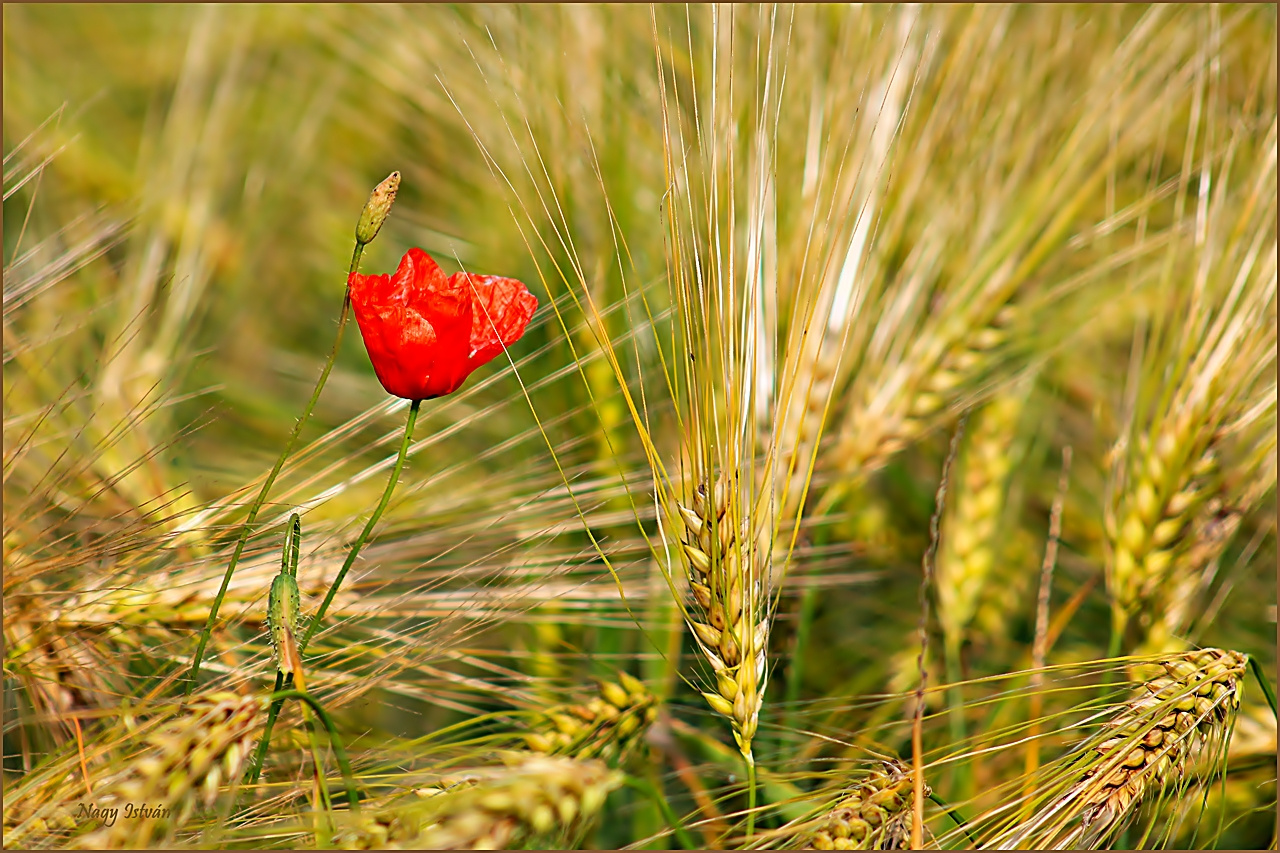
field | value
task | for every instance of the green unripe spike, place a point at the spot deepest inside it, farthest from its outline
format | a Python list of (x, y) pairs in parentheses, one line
[(284, 602), (283, 617), (292, 547)]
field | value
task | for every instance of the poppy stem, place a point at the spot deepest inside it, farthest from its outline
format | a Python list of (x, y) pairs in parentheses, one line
[(368, 528), (270, 481), (255, 768)]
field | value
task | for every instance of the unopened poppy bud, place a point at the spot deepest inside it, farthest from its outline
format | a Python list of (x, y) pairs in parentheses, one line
[(376, 209), (283, 618)]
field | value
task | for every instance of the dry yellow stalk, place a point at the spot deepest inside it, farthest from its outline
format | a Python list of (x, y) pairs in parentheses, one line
[(186, 762), (1157, 738), (875, 815), (608, 727)]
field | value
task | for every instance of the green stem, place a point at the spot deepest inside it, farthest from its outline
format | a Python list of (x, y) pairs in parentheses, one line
[(324, 818), (785, 798), (270, 481), (1263, 683), (751, 795), (260, 754), (339, 753), (255, 771), (647, 788), (956, 818), (368, 528), (955, 698)]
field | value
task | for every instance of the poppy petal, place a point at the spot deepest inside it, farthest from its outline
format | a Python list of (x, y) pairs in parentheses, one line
[(425, 332), (502, 307), (418, 272)]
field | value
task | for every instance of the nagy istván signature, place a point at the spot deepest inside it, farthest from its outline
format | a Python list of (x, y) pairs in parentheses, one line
[(107, 815)]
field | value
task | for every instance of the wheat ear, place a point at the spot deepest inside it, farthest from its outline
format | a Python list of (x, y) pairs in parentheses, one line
[(728, 620), (608, 727), (538, 799), (969, 547), (911, 400), (875, 815), (186, 763), (1157, 738), (1202, 420)]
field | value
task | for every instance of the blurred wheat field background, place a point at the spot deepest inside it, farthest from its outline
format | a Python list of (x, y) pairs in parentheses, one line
[(890, 463)]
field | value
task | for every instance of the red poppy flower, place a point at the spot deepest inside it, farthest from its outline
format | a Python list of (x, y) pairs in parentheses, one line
[(425, 332)]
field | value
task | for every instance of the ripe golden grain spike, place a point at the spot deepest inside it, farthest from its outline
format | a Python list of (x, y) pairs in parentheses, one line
[(1157, 739), (728, 613), (608, 727), (874, 815), (537, 802), (187, 761)]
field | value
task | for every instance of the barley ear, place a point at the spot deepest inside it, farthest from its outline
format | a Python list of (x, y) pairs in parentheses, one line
[(538, 801), (1157, 740), (875, 814), (608, 727), (971, 535), (185, 763), (727, 613)]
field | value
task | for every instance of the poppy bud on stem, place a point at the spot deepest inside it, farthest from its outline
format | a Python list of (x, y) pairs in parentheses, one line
[(376, 209), (375, 212), (371, 219), (281, 680), (425, 332)]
